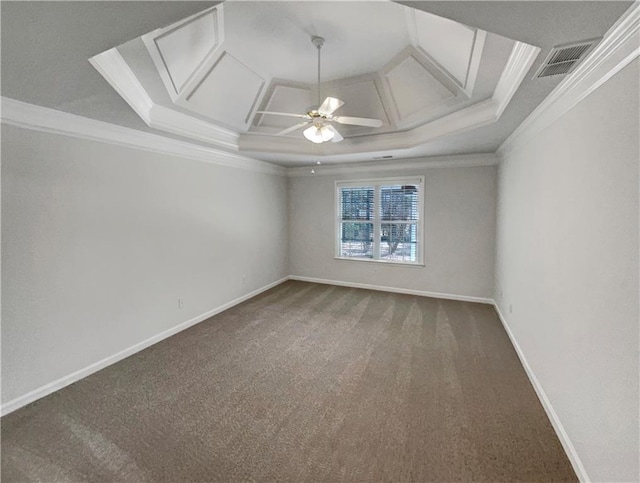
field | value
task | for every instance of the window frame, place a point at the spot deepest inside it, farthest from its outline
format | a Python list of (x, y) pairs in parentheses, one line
[(377, 183)]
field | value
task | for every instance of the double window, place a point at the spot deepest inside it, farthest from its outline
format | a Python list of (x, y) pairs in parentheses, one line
[(380, 220)]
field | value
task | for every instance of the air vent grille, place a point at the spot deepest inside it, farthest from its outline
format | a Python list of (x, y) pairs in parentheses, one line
[(562, 59), (556, 69)]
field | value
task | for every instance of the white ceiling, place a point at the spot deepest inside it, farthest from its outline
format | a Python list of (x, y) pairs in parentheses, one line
[(274, 37), (405, 67), (267, 41)]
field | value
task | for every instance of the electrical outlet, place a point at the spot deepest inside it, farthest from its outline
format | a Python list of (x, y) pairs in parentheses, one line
[(180, 304), (510, 308), (244, 279)]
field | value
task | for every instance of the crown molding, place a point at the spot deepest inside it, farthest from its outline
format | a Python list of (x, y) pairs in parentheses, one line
[(520, 61), (150, 41), (38, 118), (170, 120), (618, 48), (459, 161), (468, 83), (117, 72), (472, 117), (474, 61)]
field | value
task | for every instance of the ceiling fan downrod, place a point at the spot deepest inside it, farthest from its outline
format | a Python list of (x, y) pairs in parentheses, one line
[(318, 119), (318, 42)]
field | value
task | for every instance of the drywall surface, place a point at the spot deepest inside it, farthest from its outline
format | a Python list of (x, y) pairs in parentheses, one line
[(567, 265), (100, 241), (459, 233)]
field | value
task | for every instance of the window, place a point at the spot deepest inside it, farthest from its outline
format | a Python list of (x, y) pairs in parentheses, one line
[(380, 220)]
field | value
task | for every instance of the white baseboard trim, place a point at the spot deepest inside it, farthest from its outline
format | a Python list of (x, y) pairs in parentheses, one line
[(64, 381), (438, 295), (569, 449)]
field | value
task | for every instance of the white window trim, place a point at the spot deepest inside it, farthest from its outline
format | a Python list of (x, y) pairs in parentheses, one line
[(376, 183)]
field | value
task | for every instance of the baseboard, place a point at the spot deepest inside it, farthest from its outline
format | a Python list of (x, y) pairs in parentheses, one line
[(569, 449), (64, 381), (438, 295)]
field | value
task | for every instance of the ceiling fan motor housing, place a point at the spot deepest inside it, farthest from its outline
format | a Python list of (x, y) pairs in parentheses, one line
[(317, 41), (321, 116)]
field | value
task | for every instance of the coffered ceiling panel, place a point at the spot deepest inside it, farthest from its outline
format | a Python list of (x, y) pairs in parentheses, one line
[(185, 48), (412, 76), (362, 99), (414, 89), (228, 93), (274, 36), (125, 84), (449, 43), (284, 98)]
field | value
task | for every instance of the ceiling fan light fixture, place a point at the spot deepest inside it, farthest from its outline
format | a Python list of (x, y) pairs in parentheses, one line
[(318, 134), (320, 117)]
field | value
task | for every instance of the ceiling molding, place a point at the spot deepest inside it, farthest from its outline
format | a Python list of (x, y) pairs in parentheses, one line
[(438, 107), (461, 161), (520, 61), (338, 87), (472, 117), (186, 125), (151, 39), (117, 72), (617, 49), (238, 94), (473, 62), (38, 118), (176, 120), (269, 99)]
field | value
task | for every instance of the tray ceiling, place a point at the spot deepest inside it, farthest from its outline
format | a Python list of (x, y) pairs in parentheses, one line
[(414, 71), (42, 67)]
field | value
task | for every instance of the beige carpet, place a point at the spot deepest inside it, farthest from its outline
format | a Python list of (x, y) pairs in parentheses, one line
[(304, 382)]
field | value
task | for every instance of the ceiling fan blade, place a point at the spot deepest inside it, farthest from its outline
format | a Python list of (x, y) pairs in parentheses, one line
[(337, 137), (287, 114), (293, 128), (358, 121), (329, 105)]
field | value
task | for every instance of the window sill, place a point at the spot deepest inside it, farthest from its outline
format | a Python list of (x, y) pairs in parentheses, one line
[(383, 262)]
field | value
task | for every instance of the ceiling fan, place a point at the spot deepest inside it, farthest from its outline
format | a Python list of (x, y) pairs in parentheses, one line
[(320, 118)]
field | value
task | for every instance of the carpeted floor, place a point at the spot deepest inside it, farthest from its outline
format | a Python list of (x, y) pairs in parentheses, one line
[(304, 382)]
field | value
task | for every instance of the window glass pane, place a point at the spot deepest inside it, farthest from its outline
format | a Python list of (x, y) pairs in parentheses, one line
[(399, 242), (356, 203), (399, 202), (356, 240)]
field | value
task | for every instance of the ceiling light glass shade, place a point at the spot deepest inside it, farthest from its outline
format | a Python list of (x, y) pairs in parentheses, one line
[(318, 134)]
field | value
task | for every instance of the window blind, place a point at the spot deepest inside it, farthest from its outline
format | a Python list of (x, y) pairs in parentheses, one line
[(379, 220)]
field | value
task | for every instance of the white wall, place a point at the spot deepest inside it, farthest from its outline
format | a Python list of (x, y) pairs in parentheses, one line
[(99, 241), (459, 224), (567, 263)]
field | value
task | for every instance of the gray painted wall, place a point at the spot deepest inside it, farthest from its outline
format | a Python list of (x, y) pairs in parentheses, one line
[(459, 224), (99, 241), (567, 263)]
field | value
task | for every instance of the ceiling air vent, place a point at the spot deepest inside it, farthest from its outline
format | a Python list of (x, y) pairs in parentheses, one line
[(563, 58)]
